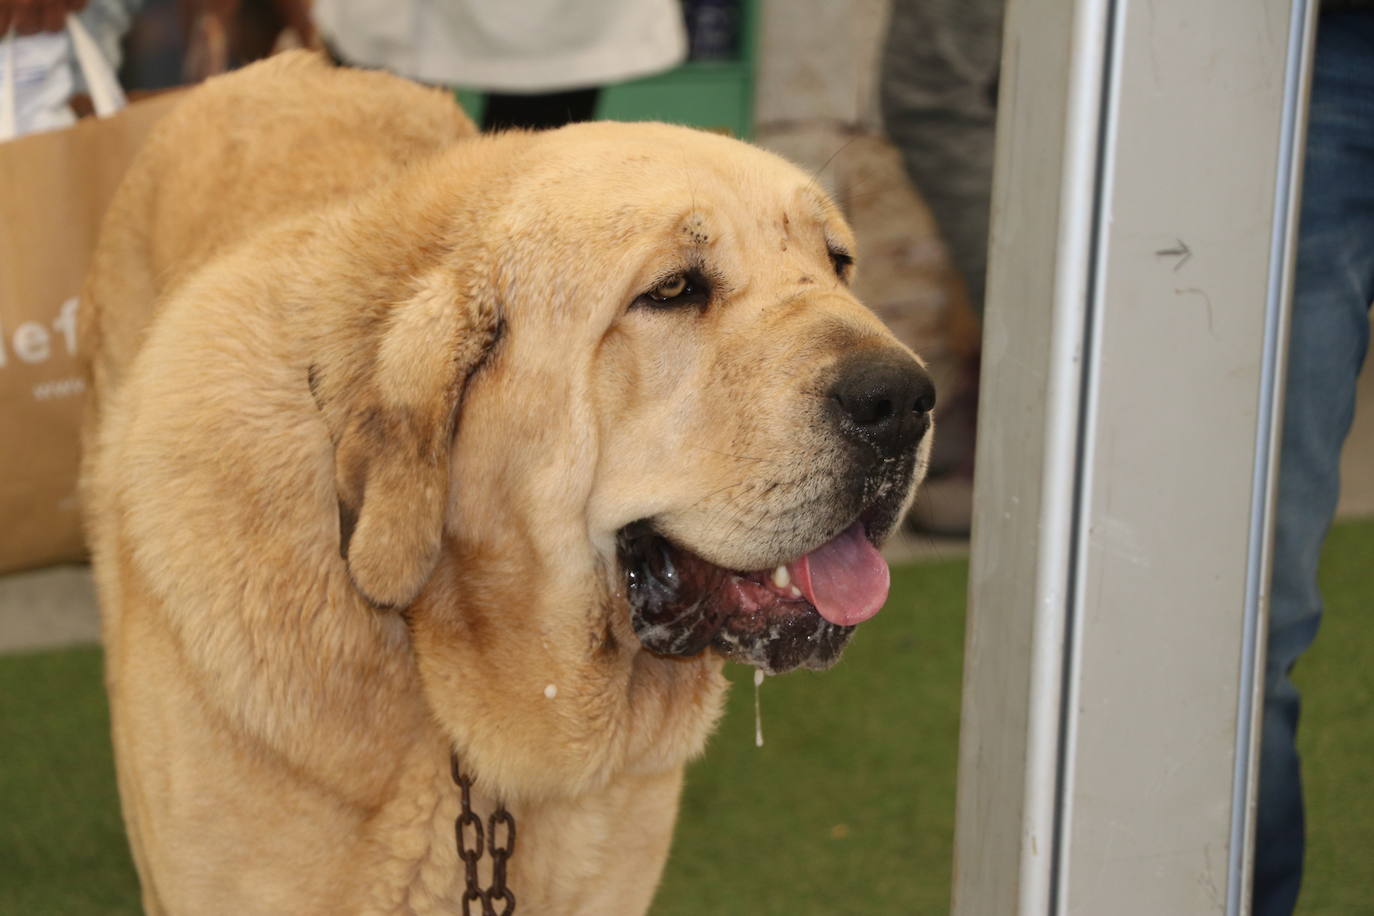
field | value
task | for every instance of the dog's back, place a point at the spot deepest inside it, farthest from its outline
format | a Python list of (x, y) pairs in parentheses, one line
[(279, 139)]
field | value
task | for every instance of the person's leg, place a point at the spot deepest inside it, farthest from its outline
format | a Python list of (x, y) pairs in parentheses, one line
[(1333, 286), (539, 112), (939, 98)]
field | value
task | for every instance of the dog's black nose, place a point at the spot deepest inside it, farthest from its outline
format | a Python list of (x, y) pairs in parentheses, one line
[(884, 400)]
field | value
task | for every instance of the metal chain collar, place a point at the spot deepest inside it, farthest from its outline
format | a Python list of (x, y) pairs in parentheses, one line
[(470, 822)]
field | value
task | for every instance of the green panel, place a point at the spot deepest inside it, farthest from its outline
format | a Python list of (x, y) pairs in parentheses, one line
[(474, 102), (713, 96)]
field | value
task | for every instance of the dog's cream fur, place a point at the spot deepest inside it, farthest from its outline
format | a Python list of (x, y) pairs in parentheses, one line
[(308, 278)]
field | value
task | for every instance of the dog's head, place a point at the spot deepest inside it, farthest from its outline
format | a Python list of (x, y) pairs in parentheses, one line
[(757, 431), (677, 431)]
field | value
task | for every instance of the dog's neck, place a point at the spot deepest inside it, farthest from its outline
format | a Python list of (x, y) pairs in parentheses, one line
[(562, 843)]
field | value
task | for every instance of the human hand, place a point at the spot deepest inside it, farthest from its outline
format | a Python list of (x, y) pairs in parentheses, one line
[(30, 16)]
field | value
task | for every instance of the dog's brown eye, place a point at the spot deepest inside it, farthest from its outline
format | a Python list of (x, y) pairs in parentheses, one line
[(684, 289), (670, 290)]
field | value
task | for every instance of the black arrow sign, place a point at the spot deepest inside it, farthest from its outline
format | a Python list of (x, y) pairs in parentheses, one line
[(1180, 251)]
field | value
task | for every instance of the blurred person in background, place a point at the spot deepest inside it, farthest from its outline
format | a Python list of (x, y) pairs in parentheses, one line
[(542, 62), (34, 40), (168, 43), (221, 35)]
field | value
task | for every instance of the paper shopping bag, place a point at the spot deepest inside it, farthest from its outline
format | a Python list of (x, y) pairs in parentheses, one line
[(54, 188)]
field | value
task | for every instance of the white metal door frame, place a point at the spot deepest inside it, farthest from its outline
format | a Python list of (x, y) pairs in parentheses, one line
[(1143, 215)]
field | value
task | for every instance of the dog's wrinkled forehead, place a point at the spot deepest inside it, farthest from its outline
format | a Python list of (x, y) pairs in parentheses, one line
[(701, 186)]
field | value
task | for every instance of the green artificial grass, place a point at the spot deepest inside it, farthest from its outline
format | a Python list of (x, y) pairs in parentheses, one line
[(62, 848), (848, 808)]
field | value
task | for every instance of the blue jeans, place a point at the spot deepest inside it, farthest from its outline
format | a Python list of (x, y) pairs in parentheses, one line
[(1333, 286)]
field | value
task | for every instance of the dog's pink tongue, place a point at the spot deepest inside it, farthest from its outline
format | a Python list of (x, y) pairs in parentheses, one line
[(845, 580)]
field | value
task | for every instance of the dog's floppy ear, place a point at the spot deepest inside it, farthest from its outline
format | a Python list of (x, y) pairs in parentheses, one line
[(390, 388)]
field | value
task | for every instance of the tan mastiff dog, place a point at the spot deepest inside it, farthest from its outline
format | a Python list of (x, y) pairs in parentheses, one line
[(410, 443)]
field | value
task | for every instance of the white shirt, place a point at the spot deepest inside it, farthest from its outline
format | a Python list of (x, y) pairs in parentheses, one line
[(508, 45)]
